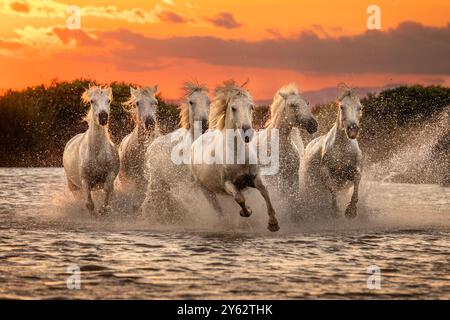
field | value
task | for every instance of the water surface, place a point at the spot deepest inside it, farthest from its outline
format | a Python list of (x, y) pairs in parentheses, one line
[(403, 229)]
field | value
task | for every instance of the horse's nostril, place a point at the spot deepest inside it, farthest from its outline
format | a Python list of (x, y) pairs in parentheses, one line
[(312, 126), (103, 118), (247, 139), (204, 126)]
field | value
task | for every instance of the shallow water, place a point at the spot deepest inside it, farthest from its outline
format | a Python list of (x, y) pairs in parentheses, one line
[(403, 229)]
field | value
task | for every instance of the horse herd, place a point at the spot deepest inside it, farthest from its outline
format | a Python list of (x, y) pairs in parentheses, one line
[(143, 162)]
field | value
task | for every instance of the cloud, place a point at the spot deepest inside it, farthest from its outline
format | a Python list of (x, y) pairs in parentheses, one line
[(20, 7), (410, 48), (225, 20), (80, 37), (169, 16), (54, 9)]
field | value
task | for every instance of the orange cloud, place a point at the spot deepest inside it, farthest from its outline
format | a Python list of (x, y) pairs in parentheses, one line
[(170, 16), (225, 20), (20, 7)]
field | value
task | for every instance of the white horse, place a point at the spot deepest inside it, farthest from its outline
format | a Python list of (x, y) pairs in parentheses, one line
[(143, 105), (163, 170), (90, 158), (333, 160), (288, 112), (231, 115)]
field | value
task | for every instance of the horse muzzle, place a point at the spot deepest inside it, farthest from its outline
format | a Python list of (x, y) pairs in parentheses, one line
[(149, 123), (103, 118), (205, 126), (352, 131), (248, 134), (311, 126)]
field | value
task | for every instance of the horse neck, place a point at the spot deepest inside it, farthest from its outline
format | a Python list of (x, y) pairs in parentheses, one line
[(340, 136), (284, 128), (142, 135), (97, 135), (280, 122)]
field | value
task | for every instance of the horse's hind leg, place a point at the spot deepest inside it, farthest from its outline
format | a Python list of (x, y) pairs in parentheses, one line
[(231, 189), (273, 223), (87, 193), (350, 212)]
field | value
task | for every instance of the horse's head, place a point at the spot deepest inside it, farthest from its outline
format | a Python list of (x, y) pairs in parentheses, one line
[(197, 102), (350, 111), (146, 106), (239, 115), (297, 112), (100, 100)]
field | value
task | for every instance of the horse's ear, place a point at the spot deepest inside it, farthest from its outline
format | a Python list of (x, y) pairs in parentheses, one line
[(155, 89), (108, 91), (283, 95)]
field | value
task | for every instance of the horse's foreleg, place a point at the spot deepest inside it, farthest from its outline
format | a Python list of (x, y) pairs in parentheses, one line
[(273, 223), (328, 182), (86, 189), (212, 198), (108, 187), (231, 189), (139, 196), (350, 212)]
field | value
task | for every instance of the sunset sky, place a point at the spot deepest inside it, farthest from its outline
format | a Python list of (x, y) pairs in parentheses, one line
[(315, 43)]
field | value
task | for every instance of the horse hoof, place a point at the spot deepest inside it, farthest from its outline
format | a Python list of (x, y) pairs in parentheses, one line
[(273, 227), (350, 212), (104, 211), (246, 214)]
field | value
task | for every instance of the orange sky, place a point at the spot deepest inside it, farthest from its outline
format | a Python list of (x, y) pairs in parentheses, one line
[(128, 41)]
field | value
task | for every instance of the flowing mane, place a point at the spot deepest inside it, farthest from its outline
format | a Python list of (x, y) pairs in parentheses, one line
[(188, 89), (345, 91), (223, 94), (277, 106), (90, 92)]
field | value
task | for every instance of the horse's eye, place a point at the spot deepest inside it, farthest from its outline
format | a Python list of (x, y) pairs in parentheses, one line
[(233, 109), (92, 100), (109, 100), (191, 103), (137, 103)]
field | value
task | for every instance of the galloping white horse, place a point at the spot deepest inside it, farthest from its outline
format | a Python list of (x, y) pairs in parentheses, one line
[(90, 158), (333, 160), (132, 148), (165, 166), (231, 115), (288, 112)]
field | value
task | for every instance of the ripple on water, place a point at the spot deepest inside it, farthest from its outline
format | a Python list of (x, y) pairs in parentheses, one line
[(43, 231)]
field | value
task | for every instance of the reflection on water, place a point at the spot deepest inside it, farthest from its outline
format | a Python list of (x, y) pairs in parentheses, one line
[(403, 229)]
